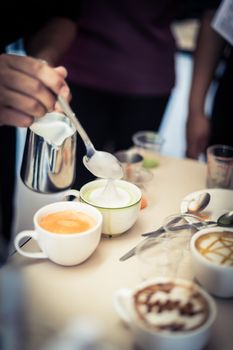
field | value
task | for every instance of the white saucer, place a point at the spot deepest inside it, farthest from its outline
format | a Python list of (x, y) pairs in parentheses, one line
[(221, 201)]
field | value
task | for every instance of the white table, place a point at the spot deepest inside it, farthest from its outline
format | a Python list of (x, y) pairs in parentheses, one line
[(55, 294)]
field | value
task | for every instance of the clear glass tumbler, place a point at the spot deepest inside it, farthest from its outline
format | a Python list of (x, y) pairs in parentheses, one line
[(148, 144)]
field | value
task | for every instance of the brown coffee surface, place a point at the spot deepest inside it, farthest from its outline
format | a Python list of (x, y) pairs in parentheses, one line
[(66, 221), (217, 247), (171, 307)]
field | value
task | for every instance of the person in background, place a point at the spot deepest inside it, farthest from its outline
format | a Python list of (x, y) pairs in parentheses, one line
[(121, 70), (28, 87), (202, 131)]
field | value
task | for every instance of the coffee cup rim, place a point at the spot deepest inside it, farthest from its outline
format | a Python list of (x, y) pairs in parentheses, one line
[(199, 255), (127, 183), (98, 216), (184, 334)]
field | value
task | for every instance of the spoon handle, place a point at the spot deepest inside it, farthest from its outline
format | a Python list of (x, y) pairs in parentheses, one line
[(71, 115), (129, 254), (161, 230), (178, 228), (132, 251)]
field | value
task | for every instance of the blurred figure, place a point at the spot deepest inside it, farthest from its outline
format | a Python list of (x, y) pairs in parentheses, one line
[(203, 131), (28, 87), (121, 70), (80, 334), (13, 312)]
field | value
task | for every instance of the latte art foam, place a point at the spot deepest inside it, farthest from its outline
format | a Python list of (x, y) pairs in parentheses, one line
[(109, 196), (217, 247), (171, 307)]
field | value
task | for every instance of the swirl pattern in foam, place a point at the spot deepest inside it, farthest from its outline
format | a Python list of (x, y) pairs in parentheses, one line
[(217, 247), (171, 307), (109, 196)]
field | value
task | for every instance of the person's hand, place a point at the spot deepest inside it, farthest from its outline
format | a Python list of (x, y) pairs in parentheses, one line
[(197, 135), (64, 91), (28, 89)]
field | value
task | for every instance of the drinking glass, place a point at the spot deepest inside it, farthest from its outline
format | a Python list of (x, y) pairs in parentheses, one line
[(148, 144), (132, 164), (182, 227), (220, 166), (158, 257)]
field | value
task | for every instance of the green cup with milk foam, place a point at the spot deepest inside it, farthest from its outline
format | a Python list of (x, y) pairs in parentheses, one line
[(118, 201)]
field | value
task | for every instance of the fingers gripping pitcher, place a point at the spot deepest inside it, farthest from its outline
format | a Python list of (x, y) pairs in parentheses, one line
[(49, 159)]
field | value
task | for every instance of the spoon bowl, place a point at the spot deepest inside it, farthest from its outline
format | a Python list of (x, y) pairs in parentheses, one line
[(103, 164), (226, 219), (199, 203)]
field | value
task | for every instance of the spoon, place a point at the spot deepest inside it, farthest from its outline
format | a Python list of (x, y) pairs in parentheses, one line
[(194, 207), (226, 219), (99, 163), (199, 203)]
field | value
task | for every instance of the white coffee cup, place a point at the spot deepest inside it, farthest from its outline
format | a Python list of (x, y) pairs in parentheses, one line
[(213, 274), (63, 248), (150, 338), (117, 218)]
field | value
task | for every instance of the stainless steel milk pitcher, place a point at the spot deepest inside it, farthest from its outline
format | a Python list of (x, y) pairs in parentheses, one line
[(49, 160)]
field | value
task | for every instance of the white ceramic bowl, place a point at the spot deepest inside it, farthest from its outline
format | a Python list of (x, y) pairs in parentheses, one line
[(116, 219)]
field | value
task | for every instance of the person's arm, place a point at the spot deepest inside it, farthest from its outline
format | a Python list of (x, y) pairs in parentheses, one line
[(209, 48), (28, 87)]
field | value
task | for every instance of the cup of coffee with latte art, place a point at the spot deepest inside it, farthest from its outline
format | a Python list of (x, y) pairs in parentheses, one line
[(66, 232), (212, 259), (118, 201), (167, 313)]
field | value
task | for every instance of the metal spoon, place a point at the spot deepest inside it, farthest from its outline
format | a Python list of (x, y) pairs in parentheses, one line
[(99, 163), (199, 203), (226, 219), (194, 206)]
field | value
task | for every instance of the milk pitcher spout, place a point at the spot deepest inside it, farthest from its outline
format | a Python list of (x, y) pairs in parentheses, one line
[(49, 158)]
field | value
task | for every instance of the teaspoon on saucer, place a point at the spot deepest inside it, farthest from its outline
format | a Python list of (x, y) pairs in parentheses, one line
[(199, 203)]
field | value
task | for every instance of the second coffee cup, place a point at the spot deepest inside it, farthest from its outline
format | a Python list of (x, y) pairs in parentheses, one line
[(118, 201), (67, 233), (212, 260)]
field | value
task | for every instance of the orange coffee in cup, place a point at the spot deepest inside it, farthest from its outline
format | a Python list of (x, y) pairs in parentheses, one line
[(66, 221)]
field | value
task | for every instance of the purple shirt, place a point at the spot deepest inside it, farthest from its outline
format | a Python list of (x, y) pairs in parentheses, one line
[(124, 46)]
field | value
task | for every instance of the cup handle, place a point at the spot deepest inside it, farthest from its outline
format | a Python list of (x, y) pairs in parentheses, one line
[(121, 301), (32, 234), (74, 193)]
